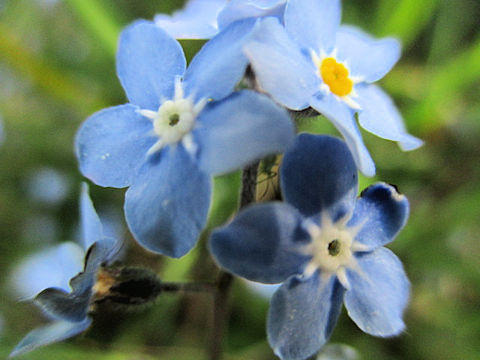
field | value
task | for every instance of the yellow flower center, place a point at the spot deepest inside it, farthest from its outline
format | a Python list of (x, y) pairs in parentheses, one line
[(335, 75)]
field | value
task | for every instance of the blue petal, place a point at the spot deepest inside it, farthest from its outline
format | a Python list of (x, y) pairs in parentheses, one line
[(148, 60), (241, 9), (90, 225), (367, 58), (263, 243), (313, 23), (197, 20), (318, 174), (280, 68), (167, 205), (380, 116), (382, 212), (379, 293), (112, 145), (302, 316), (241, 129), (220, 64), (343, 118), (49, 334), (53, 267)]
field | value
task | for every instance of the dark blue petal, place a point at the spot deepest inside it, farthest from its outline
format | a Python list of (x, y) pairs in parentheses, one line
[(302, 316), (263, 243), (49, 334), (367, 58), (318, 174), (313, 23), (381, 212), (380, 116), (90, 225), (148, 60), (241, 129), (220, 64), (197, 20), (240, 9), (167, 205), (342, 116), (280, 68), (112, 145), (379, 293)]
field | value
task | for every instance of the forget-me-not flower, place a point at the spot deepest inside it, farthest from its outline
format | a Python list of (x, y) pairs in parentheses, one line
[(61, 280), (202, 19), (326, 247), (181, 127), (312, 61)]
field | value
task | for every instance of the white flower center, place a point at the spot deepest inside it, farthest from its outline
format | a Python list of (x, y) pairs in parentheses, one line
[(332, 248), (174, 120)]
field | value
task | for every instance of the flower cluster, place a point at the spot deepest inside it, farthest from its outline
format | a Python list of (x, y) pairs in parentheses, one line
[(229, 109)]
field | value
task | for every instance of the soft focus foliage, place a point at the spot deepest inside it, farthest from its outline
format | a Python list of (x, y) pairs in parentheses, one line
[(57, 66)]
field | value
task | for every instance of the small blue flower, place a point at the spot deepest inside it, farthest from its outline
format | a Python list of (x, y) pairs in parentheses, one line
[(180, 127), (324, 245), (60, 280), (202, 19), (312, 61)]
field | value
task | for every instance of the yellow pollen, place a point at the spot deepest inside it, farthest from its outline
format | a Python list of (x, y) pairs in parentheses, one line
[(335, 75)]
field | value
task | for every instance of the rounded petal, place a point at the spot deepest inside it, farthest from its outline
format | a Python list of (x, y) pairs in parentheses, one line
[(381, 212), (240, 9), (343, 118), (263, 243), (313, 23), (167, 205), (148, 60), (112, 144), (220, 64), (380, 116), (60, 305), (368, 58), (53, 267), (241, 129), (318, 173), (379, 293), (280, 68), (302, 316), (197, 20), (49, 334)]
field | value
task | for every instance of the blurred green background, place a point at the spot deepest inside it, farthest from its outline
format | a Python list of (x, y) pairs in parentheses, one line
[(57, 66)]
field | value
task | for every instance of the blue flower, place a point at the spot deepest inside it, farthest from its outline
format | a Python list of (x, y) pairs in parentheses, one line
[(326, 247), (312, 61), (61, 280), (180, 127), (202, 19)]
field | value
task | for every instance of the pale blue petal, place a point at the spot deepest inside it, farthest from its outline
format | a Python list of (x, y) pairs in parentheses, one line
[(90, 225), (382, 212), (380, 116), (167, 205), (302, 316), (313, 23), (379, 293), (241, 129), (263, 243), (49, 334), (53, 267), (241, 9), (112, 144), (220, 64), (367, 58), (318, 173), (148, 60), (343, 118), (197, 20), (280, 68)]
